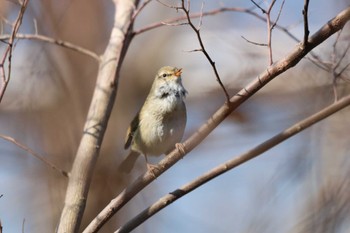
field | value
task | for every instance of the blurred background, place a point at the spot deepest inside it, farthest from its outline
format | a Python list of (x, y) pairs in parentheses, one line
[(301, 185)]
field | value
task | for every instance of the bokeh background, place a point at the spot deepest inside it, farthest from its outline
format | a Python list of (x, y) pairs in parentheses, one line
[(301, 185)]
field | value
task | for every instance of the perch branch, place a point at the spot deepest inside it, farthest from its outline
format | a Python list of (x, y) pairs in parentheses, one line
[(233, 163), (265, 77)]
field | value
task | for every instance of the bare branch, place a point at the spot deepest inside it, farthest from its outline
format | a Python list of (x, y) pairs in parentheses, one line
[(278, 16), (97, 118), (306, 21), (174, 24), (344, 68), (8, 52), (58, 42), (341, 58), (169, 6), (193, 50), (197, 31), (252, 42), (233, 163), (201, 17), (36, 155), (138, 10), (270, 27), (258, 6), (196, 15), (225, 110)]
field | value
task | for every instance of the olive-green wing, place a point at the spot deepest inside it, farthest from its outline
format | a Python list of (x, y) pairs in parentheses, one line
[(131, 131)]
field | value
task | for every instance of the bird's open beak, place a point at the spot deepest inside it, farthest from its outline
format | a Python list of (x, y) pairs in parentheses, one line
[(178, 72)]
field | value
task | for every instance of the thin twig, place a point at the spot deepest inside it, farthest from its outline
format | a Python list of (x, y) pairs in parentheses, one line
[(306, 22), (278, 15), (254, 43), (8, 52), (174, 24), (341, 58), (62, 43), (258, 6), (269, 31), (33, 153), (344, 68), (196, 15), (139, 9), (199, 37), (333, 69), (169, 6), (193, 50), (233, 163), (270, 27), (292, 59)]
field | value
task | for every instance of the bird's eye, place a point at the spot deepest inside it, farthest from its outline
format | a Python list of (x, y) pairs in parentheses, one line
[(164, 75)]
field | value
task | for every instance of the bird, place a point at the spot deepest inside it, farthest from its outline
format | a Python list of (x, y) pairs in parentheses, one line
[(159, 125)]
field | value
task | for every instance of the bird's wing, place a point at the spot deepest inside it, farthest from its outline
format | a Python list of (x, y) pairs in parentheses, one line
[(131, 131)]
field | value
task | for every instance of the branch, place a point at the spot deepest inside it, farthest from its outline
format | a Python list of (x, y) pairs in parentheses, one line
[(196, 15), (225, 110), (270, 26), (252, 42), (97, 117), (306, 21), (139, 9), (58, 42), (269, 31), (233, 163), (30, 151), (204, 51), (258, 6), (9, 49)]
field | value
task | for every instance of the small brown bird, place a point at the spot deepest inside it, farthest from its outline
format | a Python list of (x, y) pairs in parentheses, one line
[(161, 122)]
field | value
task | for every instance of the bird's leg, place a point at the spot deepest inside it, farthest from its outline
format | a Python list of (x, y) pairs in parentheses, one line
[(151, 167), (180, 147)]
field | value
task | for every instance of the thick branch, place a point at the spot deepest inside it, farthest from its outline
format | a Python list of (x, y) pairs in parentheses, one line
[(273, 71), (97, 118), (236, 161)]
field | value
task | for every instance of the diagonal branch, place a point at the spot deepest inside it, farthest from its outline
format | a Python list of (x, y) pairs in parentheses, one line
[(36, 155), (203, 50), (225, 110), (233, 163)]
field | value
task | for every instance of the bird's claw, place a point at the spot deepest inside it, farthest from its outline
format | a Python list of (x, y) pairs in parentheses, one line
[(181, 148)]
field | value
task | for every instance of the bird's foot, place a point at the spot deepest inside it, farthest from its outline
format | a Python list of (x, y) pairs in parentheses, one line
[(152, 168), (181, 148)]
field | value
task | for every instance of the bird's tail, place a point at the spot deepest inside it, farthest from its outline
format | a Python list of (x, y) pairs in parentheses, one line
[(129, 162)]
